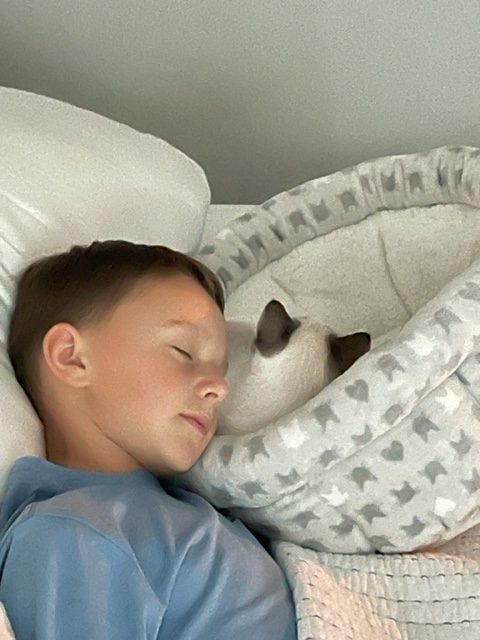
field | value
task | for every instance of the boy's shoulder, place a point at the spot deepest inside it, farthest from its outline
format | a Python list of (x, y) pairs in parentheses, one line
[(145, 524), (109, 511), (121, 513)]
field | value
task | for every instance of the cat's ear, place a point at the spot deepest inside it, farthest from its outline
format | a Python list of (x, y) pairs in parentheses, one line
[(347, 349), (274, 329)]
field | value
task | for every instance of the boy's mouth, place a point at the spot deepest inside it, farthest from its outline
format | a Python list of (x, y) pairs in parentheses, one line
[(199, 422)]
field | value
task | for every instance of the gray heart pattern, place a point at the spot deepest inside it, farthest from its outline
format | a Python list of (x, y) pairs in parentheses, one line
[(358, 391), (394, 451)]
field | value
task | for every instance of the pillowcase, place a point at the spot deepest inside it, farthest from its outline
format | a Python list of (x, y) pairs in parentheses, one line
[(70, 176)]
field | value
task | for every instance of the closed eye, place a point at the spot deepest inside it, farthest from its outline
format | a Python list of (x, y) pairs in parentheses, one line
[(182, 351)]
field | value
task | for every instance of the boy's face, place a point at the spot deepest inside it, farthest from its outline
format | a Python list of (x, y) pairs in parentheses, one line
[(137, 382)]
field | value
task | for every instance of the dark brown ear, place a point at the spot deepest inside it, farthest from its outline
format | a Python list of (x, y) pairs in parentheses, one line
[(347, 349), (274, 329)]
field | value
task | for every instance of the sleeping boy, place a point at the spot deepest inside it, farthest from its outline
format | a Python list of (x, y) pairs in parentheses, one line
[(121, 349)]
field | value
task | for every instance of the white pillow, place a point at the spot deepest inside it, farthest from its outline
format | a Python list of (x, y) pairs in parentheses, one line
[(69, 176)]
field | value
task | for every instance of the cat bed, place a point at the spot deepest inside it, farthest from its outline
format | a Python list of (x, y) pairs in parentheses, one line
[(385, 457)]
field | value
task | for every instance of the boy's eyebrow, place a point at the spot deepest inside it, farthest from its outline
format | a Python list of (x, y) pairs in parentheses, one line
[(173, 323)]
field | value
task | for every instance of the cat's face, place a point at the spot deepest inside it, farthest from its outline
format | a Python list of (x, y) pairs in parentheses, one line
[(279, 365)]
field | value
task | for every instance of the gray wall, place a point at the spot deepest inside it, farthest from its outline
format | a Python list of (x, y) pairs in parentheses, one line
[(263, 94)]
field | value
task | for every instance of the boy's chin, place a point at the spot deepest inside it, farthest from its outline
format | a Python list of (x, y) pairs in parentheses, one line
[(179, 468)]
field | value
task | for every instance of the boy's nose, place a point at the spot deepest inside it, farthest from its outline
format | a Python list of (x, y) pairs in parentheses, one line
[(221, 389)]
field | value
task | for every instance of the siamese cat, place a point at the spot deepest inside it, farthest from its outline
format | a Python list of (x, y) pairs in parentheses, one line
[(279, 365)]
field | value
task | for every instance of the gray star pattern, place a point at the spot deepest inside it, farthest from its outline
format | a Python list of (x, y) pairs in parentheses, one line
[(224, 275), (297, 220), (225, 454), (379, 542), (252, 489), (432, 470), (388, 364), (371, 511), (269, 204), (296, 190), (470, 292), (347, 198), (472, 485), (442, 176), (405, 494), (392, 413), (344, 527), (463, 446), (415, 528), (323, 413), (415, 181), (361, 475), (446, 318), (256, 245), (241, 259), (388, 182), (363, 438), (313, 543), (458, 177), (207, 250), (320, 211), (328, 456), (358, 391), (289, 479), (365, 184), (422, 425), (304, 518), (276, 230), (256, 447), (245, 217)]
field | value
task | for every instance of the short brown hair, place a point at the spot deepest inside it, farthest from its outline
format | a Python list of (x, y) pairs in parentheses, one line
[(81, 286)]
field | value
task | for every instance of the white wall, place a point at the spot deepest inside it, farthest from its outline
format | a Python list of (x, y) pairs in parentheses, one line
[(264, 94)]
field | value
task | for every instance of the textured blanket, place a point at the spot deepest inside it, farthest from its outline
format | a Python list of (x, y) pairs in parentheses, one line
[(417, 596)]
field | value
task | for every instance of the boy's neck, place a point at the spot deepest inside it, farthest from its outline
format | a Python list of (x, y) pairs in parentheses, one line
[(88, 457)]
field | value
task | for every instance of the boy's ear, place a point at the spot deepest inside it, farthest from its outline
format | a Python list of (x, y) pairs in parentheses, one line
[(61, 348)]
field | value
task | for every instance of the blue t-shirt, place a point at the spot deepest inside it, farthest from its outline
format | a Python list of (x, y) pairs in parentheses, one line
[(90, 555)]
